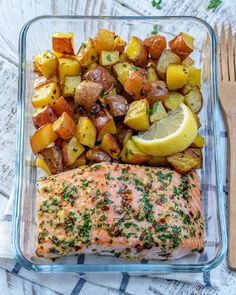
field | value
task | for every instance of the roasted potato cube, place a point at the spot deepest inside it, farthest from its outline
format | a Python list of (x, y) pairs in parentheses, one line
[(53, 159), (194, 77), (124, 58), (158, 91), (137, 116), (137, 52), (87, 94), (42, 138), (70, 84), (71, 151), (61, 105), (46, 63), (173, 100), (176, 76), (157, 112), (151, 74), (121, 71), (63, 55), (116, 104), (101, 76), (68, 67), (42, 80), (155, 45), (197, 120), (97, 155), (45, 95), (80, 161), (133, 155), (109, 58), (104, 124), (182, 45), (123, 134), (86, 132), (104, 40), (167, 57), (136, 84), (63, 42), (198, 142), (64, 126), (194, 100), (40, 163), (186, 89), (186, 160), (159, 161), (110, 146), (87, 53), (188, 61), (43, 116), (119, 44)]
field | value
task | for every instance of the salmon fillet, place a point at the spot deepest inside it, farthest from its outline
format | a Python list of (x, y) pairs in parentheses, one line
[(129, 211)]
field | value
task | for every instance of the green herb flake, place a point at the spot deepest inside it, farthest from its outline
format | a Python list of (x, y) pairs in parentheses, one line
[(213, 4), (103, 218), (156, 4), (154, 30), (108, 58)]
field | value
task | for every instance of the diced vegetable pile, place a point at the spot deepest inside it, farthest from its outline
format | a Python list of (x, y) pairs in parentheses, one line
[(88, 105)]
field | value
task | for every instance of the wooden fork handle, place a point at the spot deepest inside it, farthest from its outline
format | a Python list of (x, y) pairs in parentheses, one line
[(232, 192)]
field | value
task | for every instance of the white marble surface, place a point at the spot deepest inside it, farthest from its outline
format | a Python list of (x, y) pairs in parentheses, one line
[(13, 15)]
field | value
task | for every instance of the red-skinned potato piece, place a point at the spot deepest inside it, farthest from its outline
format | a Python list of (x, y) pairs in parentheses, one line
[(104, 124), (44, 116), (158, 91), (53, 159), (64, 126), (63, 42), (136, 51), (101, 76), (97, 155), (155, 45), (136, 84), (182, 45), (61, 105), (116, 104), (87, 94)]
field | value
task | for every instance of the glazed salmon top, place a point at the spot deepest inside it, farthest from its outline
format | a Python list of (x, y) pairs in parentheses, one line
[(130, 211)]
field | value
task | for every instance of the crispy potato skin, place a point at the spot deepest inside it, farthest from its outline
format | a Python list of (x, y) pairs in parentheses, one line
[(64, 126), (87, 94), (123, 134), (53, 159), (101, 76), (63, 43), (158, 91), (61, 105), (155, 45), (104, 40), (119, 44), (117, 105), (136, 84), (137, 52), (45, 95), (178, 46), (87, 53), (104, 124), (46, 115), (97, 155), (110, 146), (42, 80)]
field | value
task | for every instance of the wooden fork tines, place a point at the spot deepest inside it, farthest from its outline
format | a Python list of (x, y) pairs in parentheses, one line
[(227, 94)]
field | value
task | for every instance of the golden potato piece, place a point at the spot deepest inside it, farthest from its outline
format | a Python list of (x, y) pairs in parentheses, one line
[(182, 45), (121, 71), (137, 52), (137, 116), (119, 44), (40, 163), (176, 76), (97, 155), (186, 160), (159, 161), (80, 161), (110, 146), (87, 94), (151, 73), (61, 105), (86, 132), (104, 40), (42, 80), (194, 77), (45, 95), (42, 138), (188, 61), (193, 100), (198, 142), (173, 101), (133, 155), (167, 57), (71, 151), (68, 67), (87, 53), (46, 63), (109, 58), (104, 124), (63, 42), (157, 112), (70, 85)]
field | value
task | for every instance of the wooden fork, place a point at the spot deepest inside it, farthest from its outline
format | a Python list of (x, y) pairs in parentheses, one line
[(226, 53)]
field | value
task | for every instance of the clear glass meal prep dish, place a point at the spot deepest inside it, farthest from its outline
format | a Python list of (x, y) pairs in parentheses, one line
[(36, 37)]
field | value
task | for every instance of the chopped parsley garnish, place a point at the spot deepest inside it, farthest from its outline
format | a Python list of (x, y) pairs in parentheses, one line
[(213, 4), (154, 30), (108, 57), (156, 4)]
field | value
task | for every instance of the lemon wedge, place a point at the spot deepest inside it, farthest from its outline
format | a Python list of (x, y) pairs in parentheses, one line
[(170, 135)]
